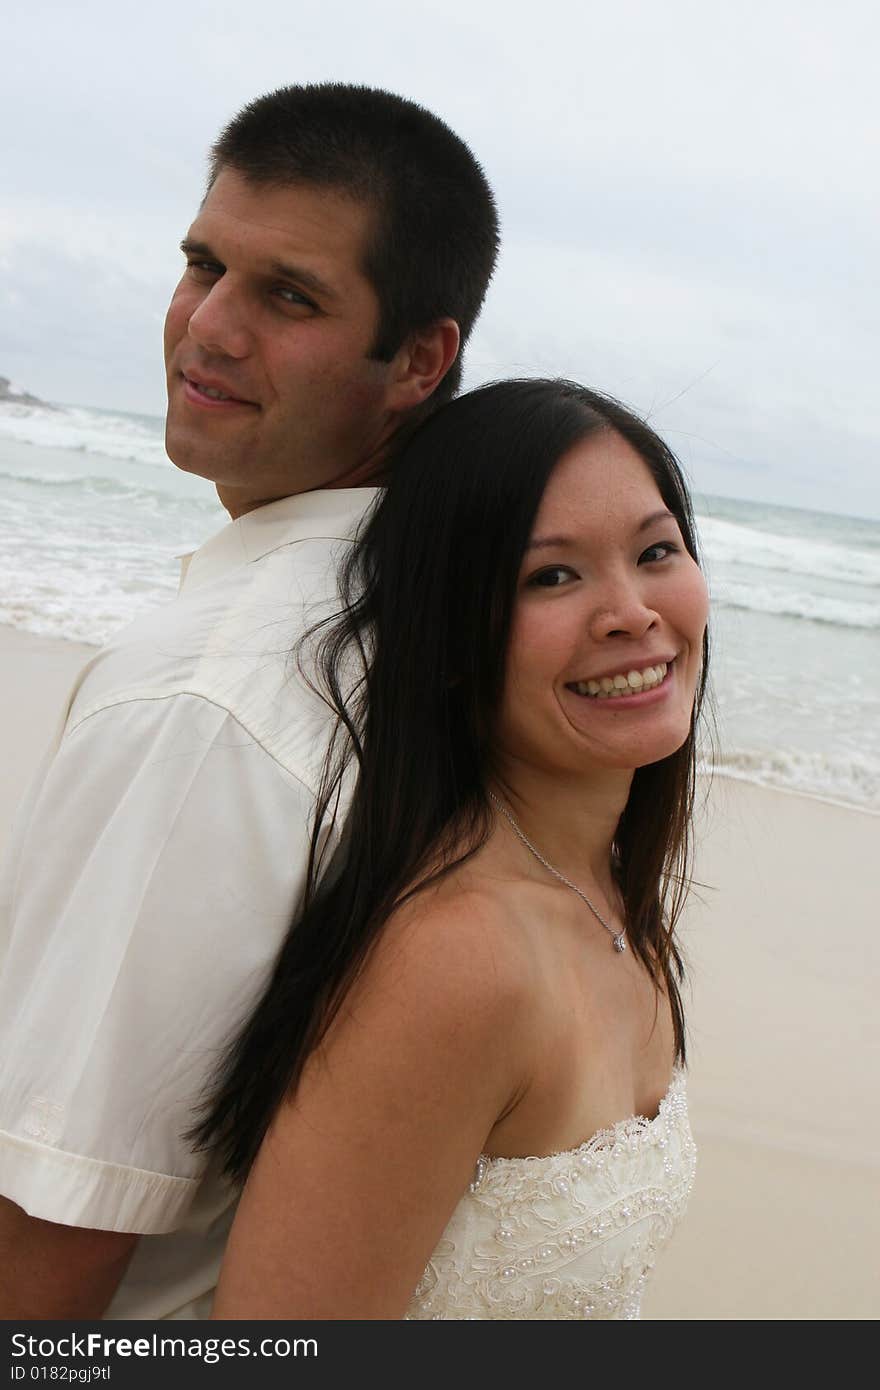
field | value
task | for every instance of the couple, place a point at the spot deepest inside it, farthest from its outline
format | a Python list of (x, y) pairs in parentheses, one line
[(457, 755)]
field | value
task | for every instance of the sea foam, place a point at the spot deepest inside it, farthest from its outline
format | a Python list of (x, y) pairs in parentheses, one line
[(729, 542), (88, 431), (850, 781), (809, 605)]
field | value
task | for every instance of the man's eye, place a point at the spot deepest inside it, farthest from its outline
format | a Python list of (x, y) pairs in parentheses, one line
[(660, 551), (552, 577), (207, 268), (296, 297)]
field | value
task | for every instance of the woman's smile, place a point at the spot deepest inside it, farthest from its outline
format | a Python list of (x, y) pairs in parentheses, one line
[(633, 682), (620, 699)]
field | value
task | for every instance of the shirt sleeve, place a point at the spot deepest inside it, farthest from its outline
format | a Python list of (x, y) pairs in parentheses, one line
[(154, 878)]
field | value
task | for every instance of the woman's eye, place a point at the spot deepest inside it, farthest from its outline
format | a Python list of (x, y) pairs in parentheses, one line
[(660, 551), (551, 578)]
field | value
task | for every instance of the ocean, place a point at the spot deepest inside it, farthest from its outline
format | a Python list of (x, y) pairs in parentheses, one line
[(94, 516)]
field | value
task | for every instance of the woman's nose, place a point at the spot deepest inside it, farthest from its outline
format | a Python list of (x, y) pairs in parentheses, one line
[(622, 611), (219, 323)]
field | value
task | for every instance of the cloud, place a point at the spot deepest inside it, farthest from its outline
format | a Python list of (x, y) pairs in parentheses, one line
[(687, 196)]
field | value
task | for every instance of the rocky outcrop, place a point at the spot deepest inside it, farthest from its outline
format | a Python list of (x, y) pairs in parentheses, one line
[(8, 392)]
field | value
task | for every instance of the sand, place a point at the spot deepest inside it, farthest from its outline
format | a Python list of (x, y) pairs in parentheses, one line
[(783, 946), (36, 674)]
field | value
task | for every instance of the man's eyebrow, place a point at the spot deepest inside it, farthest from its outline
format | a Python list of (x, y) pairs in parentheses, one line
[(569, 542), (277, 269), (197, 248)]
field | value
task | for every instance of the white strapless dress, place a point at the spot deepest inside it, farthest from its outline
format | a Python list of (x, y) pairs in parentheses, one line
[(572, 1235)]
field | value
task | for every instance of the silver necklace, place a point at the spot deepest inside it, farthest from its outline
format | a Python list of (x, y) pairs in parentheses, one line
[(618, 938)]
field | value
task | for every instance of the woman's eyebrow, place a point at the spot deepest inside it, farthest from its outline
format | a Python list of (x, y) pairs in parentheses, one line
[(664, 515), (545, 542), (549, 542)]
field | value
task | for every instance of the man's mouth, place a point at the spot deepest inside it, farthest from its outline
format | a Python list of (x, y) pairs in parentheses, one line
[(205, 391), (212, 392), (623, 683)]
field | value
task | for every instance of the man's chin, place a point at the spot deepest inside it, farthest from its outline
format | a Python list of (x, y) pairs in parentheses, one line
[(191, 455), (190, 461)]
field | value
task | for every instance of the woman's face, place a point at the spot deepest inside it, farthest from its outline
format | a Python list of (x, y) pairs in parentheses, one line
[(606, 640)]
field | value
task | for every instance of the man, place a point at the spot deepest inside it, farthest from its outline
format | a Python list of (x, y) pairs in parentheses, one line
[(340, 256)]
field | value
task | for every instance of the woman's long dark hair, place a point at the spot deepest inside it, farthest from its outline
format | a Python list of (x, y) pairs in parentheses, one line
[(414, 668)]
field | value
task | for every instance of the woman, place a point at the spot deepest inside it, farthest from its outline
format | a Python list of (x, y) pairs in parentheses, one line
[(486, 972)]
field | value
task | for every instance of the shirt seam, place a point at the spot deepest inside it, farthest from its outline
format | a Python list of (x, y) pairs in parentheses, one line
[(219, 570), (18, 1141), (71, 1189), (140, 698), (295, 540)]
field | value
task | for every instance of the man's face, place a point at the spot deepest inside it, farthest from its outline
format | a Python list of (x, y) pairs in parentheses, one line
[(270, 387)]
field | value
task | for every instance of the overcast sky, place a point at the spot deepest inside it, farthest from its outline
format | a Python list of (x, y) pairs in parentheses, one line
[(688, 192)]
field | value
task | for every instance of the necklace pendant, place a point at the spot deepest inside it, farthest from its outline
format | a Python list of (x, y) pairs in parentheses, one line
[(620, 942)]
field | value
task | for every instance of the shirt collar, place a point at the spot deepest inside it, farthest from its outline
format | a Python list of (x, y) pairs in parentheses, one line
[(328, 513)]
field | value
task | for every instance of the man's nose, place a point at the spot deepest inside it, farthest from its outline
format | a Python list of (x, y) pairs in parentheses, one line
[(219, 324)]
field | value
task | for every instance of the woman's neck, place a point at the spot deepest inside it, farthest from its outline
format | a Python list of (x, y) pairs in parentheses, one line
[(571, 821)]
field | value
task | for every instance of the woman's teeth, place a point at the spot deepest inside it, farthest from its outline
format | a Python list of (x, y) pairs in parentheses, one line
[(611, 687)]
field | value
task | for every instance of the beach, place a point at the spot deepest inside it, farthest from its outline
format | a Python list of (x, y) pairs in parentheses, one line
[(782, 950)]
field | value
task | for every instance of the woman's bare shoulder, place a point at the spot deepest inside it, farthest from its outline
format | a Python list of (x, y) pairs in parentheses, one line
[(459, 939), (361, 1171)]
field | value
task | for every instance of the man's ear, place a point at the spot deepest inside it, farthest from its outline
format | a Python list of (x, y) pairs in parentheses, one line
[(422, 363)]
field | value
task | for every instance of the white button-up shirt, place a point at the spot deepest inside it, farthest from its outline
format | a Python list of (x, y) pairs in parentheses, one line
[(156, 865)]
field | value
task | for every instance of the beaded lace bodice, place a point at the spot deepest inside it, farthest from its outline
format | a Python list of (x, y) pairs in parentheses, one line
[(572, 1235)]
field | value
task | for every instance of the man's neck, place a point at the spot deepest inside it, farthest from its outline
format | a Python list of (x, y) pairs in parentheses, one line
[(370, 471), (238, 506)]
